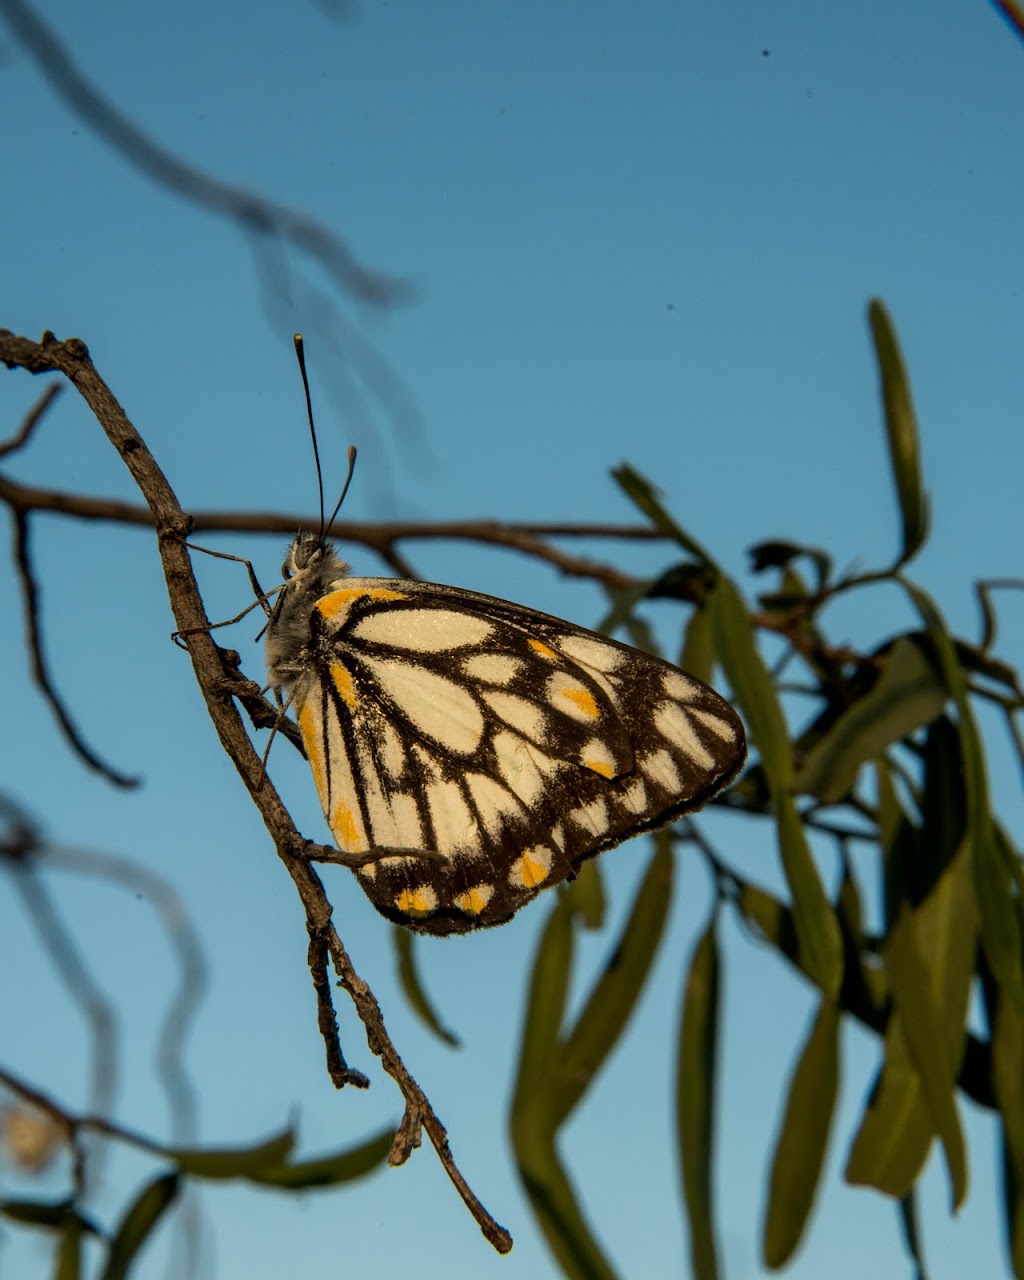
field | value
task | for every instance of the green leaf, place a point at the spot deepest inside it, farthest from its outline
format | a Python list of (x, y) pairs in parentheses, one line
[(752, 688), (751, 683), (803, 1138), (919, 1020), (232, 1162), (864, 992), (911, 1235), (614, 996), (891, 1144), (545, 1004), (929, 958), (41, 1213), (138, 1223), (532, 1118), (1008, 1082), (907, 695), (643, 494), (698, 655), (412, 986), (901, 432), (993, 881), (817, 929), (586, 896), (69, 1253), (695, 1100), (330, 1170)]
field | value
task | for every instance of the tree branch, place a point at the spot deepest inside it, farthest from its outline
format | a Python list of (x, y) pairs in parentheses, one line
[(173, 526)]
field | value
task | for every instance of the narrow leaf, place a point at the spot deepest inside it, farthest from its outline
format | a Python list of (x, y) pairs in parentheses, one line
[(643, 494), (816, 925), (907, 695), (698, 655), (695, 1100), (412, 986), (929, 958), (803, 1138), (1000, 924), (232, 1162), (919, 1020), (532, 1118), (892, 1142), (138, 1224), (69, 1253), (614, 996), (911, 1235), (751, 683), (586, 896), (901, 432), (329, 1171), (817, 928), (545, 1004)]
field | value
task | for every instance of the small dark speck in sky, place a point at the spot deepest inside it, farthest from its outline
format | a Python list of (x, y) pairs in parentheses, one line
[(766, 53)]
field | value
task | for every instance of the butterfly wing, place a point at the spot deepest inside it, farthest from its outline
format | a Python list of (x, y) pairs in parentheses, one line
[(505, 745)]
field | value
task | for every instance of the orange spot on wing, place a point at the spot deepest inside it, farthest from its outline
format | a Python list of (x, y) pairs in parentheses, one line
[(474, 900), (530, 871), (603, 767), (314, 746), (346, 829), (416, 902), (342, 678), (337, 601), (538, 646), (584, 699)]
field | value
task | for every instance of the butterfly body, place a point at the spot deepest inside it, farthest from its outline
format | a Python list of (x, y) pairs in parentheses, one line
[(506, 745)]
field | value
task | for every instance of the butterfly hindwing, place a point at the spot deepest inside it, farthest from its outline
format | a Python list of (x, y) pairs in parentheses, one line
[(501, 747)]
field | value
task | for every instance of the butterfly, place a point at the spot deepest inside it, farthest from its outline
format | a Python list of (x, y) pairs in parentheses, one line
[(485, 750)]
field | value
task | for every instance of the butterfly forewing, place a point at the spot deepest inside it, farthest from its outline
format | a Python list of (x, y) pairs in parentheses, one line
[(499, 746)]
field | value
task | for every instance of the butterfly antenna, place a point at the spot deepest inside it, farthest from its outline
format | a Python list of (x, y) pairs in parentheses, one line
[(344, 487), (300, 355)]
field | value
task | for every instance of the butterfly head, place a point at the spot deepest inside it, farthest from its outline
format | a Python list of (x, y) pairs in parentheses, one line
[(311, 559), (311, 569)]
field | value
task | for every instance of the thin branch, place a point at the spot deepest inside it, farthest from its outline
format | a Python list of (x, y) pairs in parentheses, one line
[(40, 670), (253, 213), (173, 527), (32, 419), (528, 539)]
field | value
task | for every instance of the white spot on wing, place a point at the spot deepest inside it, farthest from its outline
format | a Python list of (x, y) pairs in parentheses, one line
[(493, 801), (526, 770), (679, 686), (421, 630), (391, 749), (407, 822), (672, 723), (455, 828), (518, 713), (593, 816), (591, 652), (492, 668), (721, 728), (438, 707), (634, 796), (661, 768)]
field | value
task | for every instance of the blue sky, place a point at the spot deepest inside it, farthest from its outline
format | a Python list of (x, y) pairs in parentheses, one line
[(635, 232)]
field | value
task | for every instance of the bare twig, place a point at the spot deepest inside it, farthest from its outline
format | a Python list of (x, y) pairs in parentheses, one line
[(172, 528), (251, 212), (40, 670), (32, 419), (528, 539)]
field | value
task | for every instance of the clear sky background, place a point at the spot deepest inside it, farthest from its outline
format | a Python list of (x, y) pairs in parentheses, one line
[(644, 232)]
